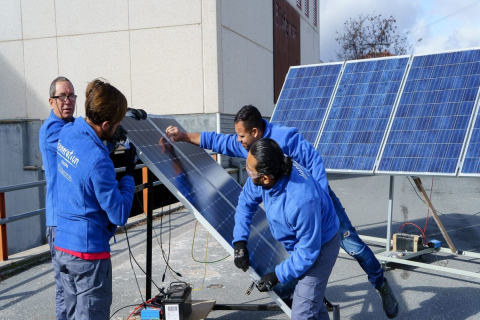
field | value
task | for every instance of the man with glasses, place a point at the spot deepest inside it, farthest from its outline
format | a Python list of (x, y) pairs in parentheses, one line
[(62, 102), (251, 127)]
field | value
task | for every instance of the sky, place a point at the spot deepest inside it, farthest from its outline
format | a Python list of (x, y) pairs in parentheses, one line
[(459, 31)]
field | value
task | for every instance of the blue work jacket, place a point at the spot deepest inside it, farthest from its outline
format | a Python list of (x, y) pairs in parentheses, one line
[(48, 138), (292, 143), (91, 201), (300, 215)]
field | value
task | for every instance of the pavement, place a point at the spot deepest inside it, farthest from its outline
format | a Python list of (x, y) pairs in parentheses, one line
[(28, 292)]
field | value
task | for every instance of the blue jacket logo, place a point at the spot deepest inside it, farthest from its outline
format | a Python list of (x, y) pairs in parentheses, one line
[(67, 155)]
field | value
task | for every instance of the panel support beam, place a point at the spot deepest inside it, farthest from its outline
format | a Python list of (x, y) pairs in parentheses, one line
[(390, 213), (429, 204), (148, 288)]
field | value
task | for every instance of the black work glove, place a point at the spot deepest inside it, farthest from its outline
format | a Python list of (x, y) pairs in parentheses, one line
[(267, 282), (130, 159), (137, 113), (242, 261)]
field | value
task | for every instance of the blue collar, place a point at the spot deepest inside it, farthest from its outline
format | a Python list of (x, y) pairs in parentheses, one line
[(53, 115), (82, 126), (278, 188), (268, 129)]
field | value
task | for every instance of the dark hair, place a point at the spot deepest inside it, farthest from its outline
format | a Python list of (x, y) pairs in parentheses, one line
[(251, 117), (104, 102), (270, 158), (53, 85)]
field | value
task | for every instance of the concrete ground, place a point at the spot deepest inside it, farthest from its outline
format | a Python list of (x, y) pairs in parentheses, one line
[(422, 293)]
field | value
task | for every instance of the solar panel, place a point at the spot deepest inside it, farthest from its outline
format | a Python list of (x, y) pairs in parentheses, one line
[(471, 161), (204, 187), (356, 122), (305, 98), (431, 121)]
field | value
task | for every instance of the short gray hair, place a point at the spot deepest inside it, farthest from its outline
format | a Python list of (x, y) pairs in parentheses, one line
[(53, 85)]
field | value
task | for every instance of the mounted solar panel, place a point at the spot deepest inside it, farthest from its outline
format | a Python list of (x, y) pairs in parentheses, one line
[(430, 124), (305, 98), (204, 187), (471, 160), (358, 118)]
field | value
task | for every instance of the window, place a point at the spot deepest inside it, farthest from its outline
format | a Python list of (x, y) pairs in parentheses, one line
[(299, 4), (315, 13), (307, 8)]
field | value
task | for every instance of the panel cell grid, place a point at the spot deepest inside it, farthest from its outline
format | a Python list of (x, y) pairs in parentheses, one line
[(305, 98), (471, 162), (433, 115), (358, 118)]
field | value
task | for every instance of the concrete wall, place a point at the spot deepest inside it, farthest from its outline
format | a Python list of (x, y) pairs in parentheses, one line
[(168, 57), (151, 50), (247, 53), (19, 141)]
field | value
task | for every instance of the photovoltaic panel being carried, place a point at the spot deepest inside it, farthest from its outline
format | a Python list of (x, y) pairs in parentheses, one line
[(305, 98), (430, 124), (356, 122), (204, 187)]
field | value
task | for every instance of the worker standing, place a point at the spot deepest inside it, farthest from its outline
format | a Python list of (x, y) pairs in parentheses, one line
[(62, 103), (91, 202)]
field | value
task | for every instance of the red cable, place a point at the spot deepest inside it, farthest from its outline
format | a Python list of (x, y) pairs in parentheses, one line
[(413, 224)]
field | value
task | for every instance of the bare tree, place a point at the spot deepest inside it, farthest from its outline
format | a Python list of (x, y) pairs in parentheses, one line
[(370, 36)]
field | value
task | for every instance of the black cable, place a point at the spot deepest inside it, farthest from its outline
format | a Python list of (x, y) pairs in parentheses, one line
[(167, 265), (160, 242), (132, 305), (131, 264), (438, 212), (136, 262)]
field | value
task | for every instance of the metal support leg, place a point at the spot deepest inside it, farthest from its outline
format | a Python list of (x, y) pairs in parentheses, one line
[(41, 201), (3, 230), (148, 293), (390, 213)]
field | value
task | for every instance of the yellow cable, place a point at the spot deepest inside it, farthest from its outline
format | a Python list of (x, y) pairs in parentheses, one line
[(206, 249)]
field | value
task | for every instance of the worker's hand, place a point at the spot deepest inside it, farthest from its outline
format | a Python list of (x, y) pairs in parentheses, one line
[(242, 261), (130, 160), (267, 282), (136, 113), (175, 134)]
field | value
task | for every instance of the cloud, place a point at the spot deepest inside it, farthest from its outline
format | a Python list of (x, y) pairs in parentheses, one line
[(457, 32), (458, 38)]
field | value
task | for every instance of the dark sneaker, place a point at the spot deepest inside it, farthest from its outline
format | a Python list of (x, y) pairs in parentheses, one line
[(390, 305)]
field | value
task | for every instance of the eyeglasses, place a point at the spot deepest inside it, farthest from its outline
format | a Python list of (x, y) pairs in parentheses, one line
[(251, 174), (71, 97)]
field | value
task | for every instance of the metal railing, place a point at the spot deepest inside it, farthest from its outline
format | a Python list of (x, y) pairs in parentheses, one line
[(40, 184)]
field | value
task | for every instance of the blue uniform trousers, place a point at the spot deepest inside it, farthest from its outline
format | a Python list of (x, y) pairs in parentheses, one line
[(59, 300), (355, 247), (310, 289), (87, 286)]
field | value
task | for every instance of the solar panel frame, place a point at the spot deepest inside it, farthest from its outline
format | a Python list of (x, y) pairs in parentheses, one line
[(380, 144), (310, 135), (259, 219), (474, 130), (443, 92)]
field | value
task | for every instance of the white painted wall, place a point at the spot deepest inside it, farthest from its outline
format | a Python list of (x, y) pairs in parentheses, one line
[(150, 50), (170, 57)]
